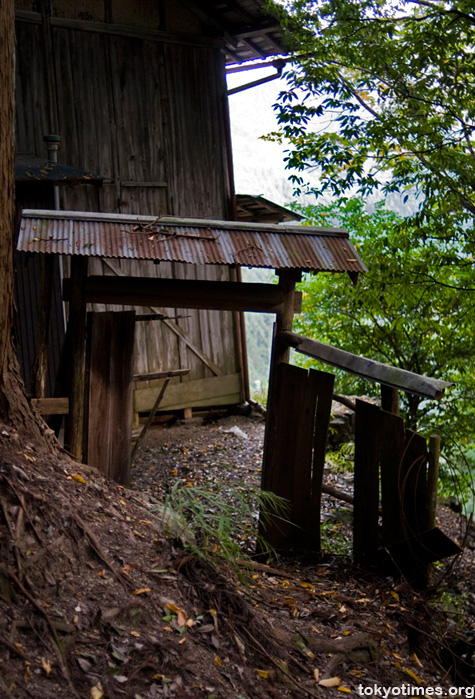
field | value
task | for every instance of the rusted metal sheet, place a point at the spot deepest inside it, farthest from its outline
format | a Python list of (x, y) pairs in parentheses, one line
[(261, 210), (37, 170), (199, 242)]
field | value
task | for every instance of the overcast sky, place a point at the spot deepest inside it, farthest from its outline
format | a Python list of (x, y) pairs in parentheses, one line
[(258, 165)]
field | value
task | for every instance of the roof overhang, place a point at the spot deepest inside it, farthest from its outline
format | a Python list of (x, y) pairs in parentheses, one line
[(29, 169), (193, 241)]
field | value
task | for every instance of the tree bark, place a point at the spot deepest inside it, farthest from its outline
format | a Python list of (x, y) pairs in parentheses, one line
[(14, 406)]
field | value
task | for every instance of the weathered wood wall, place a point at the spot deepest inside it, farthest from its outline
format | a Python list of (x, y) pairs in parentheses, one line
[(146, 109)]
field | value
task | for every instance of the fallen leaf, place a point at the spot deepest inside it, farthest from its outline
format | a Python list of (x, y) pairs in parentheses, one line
[(344, 689), (97, 692), (307, 585), (218, 661), (416, 660), (26, 674), (142, 590), (120, 678), (135, 633), (413, 675), (316, 674), (330, 682), (263, 673), (78, 478), (84, 664), (46, 665), (180, 643)]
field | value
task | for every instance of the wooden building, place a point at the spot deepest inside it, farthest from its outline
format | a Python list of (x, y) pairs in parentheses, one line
[(136, 91)]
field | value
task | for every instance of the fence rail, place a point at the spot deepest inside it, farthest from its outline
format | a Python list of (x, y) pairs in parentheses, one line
[(370, 369)]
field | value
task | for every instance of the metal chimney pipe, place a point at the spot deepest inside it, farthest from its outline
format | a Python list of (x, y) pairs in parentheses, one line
[(52, 142)]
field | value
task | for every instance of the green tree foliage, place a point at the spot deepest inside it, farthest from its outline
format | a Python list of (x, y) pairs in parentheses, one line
[(408, 311), (393, 87)]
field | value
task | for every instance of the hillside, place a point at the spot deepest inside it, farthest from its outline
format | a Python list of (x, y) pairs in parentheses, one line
[(99, 599)]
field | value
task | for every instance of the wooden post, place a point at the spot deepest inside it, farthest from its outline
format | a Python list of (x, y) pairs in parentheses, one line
[(287, 281), (110, 372), (367, 457), (389, 399), (74, 430), (40, 368), (322, 424), (392, 455), (280, 353), (432, 479)]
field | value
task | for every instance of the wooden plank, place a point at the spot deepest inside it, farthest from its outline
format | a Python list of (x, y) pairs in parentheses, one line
[(40, 368), (367, 368), (290, 386), (174, 293), (123, 30), (366, 484), (325, 383), (51, 406), (392, 454), (432, 480), (390, 399), (161, 375), (111, 342), (302, 463), (217, 390), (414, 486), (74, 430)]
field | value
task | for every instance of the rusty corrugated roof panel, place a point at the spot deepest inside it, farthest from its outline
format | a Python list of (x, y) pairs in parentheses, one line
[(193, 241), (252, 207), (37, 170)]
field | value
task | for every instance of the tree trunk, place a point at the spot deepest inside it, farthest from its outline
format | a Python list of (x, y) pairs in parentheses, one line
[(14, 407)]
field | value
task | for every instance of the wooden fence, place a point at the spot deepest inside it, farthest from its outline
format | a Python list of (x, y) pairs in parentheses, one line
[(396, 471)]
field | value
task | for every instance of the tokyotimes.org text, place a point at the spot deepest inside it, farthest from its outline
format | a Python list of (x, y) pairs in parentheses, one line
[(407, 690)]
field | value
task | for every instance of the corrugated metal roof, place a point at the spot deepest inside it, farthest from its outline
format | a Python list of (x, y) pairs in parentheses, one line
[(28, 169), (193, 241), (251, 207)]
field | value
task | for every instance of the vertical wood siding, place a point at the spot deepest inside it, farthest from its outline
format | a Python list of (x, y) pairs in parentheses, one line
[(139, 111)]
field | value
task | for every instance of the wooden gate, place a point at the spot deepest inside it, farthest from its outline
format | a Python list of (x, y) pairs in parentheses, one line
[(395, 477)]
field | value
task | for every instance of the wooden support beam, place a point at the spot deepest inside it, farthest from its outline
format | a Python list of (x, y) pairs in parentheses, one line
[(40, 368), (390, 399), (390, 376), (74, 429), (285, 316), (180, 293), (432, 479), (51, 406), (161, 375)]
